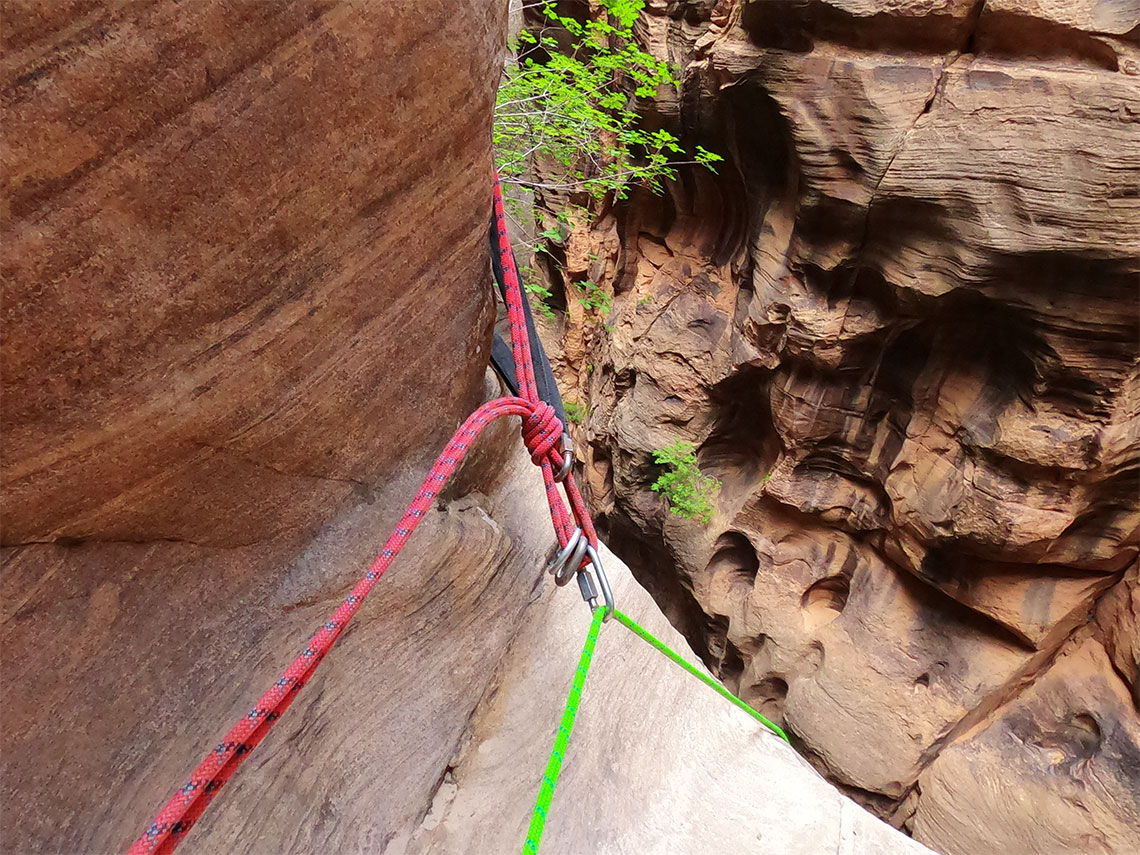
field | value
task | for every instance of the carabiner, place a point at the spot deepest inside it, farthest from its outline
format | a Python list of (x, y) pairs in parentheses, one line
[(563, 575), (586, 586), (569, 556), (567, 458)]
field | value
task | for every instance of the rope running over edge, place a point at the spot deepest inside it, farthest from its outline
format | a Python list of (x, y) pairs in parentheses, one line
[(570, 713)]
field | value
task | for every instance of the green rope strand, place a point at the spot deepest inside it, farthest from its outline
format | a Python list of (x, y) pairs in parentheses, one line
[(632, 625), (570, 712)]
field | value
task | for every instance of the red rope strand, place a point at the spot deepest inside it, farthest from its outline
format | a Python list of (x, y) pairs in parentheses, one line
[(541, 432)]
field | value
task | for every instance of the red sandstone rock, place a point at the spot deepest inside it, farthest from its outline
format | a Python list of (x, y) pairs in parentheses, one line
[(902, 327), (245, 297), (214, 255)]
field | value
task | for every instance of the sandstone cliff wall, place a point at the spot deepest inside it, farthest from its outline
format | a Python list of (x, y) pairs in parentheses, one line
[(245, 298), (901, 325)]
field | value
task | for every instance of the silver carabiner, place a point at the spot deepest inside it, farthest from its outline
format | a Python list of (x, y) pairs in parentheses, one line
[(567, 458), (575, 544), (586, 586), (565, 573)]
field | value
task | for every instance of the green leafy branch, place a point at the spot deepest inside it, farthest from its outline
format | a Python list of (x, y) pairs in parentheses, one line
[(689, 492), (568, 102), (594, 298), (575, 411)]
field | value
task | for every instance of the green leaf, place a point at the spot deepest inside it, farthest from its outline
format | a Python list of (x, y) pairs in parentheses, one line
[(575, 411), (688, 491)]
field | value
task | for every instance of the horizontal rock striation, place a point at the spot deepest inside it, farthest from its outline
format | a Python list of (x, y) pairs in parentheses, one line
[(245, 298), (215, 253)]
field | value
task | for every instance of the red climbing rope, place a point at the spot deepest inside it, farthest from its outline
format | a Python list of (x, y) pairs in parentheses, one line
[(541, 431)]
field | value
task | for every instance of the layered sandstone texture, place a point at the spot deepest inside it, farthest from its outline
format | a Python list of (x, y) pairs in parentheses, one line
[(901, 327), (246, 298)]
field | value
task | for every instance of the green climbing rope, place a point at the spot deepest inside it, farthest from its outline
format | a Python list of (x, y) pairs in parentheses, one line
[(570, 712), (554, 764), (642, 632)]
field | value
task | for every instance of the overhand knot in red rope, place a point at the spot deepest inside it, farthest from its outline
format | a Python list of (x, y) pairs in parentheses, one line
[(541, 431)]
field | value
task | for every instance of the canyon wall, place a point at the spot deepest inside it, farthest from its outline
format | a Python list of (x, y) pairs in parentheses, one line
[(901, 326), (246, 299)]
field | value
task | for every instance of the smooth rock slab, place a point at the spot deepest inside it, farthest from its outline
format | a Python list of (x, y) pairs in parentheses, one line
[(657, 761)]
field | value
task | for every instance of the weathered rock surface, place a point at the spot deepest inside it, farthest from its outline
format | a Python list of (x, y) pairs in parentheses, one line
[(657, 762), (902, 327), (124, 673), (1067, 765), (235, 236), (245, 298), (215, 249), (221, 221)]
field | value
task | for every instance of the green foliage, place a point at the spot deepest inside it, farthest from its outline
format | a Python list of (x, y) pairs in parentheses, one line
[(688, 492), (575, 411), (533, 285), (569, 103), (594, 298)]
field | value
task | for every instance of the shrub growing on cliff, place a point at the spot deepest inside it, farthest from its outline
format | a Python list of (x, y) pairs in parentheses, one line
[(568, 103), (575, 411), (593, 298), (566, 119), (688, 491)]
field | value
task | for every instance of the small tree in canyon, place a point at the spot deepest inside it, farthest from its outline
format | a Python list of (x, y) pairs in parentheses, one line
[(689, 492), (566, 117), (568, 102)]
